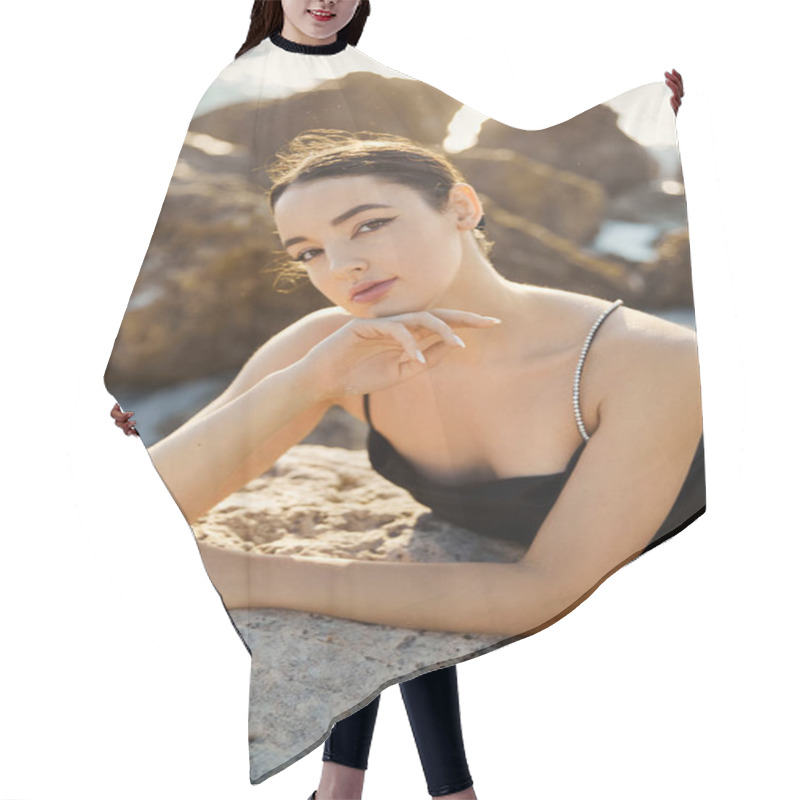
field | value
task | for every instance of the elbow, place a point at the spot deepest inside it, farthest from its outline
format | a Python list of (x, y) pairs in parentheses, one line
[(534, 602), (514, 605)]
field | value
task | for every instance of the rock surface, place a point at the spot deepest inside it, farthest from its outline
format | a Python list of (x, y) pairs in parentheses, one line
[(596, 148), (567, 204), (308, 670), (359, 101)]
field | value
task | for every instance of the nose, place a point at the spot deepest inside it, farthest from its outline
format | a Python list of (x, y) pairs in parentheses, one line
[(344, 265)]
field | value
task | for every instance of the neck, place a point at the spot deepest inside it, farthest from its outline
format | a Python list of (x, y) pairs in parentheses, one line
[(481, 289)]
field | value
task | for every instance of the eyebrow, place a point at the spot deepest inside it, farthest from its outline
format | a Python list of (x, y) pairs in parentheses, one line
[(338, 220)]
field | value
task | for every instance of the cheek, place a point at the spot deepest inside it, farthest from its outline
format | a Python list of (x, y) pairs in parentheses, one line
[(438, 254), (296, 11), (329, 287), (318, 283)]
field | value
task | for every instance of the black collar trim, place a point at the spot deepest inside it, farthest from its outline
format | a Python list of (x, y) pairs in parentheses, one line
[(308, 49)]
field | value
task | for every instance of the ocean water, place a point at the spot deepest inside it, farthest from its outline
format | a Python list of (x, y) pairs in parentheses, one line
[(634, 241)]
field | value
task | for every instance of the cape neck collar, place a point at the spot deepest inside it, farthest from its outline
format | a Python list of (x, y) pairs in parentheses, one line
[(308, 49)]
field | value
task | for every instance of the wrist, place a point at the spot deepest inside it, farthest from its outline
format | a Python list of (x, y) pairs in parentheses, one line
[(312, 381)]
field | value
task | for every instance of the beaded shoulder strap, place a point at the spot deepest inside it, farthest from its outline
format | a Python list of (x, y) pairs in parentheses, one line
[(576, 402)]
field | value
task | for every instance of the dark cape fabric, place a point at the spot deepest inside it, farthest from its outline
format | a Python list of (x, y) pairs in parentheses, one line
[(594, 205)]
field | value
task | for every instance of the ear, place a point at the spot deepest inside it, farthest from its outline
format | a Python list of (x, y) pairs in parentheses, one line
[(466, 205)]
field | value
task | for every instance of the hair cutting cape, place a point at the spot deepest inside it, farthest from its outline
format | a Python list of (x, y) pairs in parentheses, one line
[(594, 205)]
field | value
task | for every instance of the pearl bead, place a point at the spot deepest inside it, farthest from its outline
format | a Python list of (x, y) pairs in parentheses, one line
[(579, 369)]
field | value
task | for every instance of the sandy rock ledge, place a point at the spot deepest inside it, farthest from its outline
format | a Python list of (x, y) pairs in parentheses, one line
[(309, 670)]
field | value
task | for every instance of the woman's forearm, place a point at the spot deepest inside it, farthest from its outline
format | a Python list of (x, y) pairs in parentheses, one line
[(216, 454), (457, 597)]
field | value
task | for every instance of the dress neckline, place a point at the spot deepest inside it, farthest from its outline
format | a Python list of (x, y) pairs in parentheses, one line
[(472, 485), (548, 476), (308, 49)]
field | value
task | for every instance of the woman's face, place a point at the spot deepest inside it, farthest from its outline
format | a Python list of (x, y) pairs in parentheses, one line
[(371, 247), (319, 20)]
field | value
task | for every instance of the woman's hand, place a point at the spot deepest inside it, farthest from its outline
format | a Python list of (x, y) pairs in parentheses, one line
[(675, 82), (123, 419), (367, 355)]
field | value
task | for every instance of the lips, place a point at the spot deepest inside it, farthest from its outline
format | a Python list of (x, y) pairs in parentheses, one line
[(322, 15), (370, 290)]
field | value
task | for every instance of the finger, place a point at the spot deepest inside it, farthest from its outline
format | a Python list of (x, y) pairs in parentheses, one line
[(448, 315), (676, 88), (438, 326), (424, 342), (401, 334), (431, 322), (121, 416), (435, 352), (410, 368), (674, 75), (455, 316)]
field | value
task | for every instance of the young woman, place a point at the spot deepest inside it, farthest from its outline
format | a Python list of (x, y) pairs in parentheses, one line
[(389, 233), (405, 269), (386, 231)]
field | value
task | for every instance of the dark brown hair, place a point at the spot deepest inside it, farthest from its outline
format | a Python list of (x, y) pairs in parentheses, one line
[(325, 153), (266, 18)]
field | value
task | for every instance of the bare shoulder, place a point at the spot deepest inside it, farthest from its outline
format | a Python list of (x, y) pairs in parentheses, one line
[(634, 357), (643, 364), (633, 344), (626, 336)]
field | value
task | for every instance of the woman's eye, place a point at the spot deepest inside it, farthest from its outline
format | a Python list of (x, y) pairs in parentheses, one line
[(301, 256), (306, 255), (378, 222)]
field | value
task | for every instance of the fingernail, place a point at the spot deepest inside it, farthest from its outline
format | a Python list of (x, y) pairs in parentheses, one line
[(494, 319), (459, 341), (420, 357)]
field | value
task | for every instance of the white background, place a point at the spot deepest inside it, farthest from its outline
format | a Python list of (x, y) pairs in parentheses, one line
[(121, 675)]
